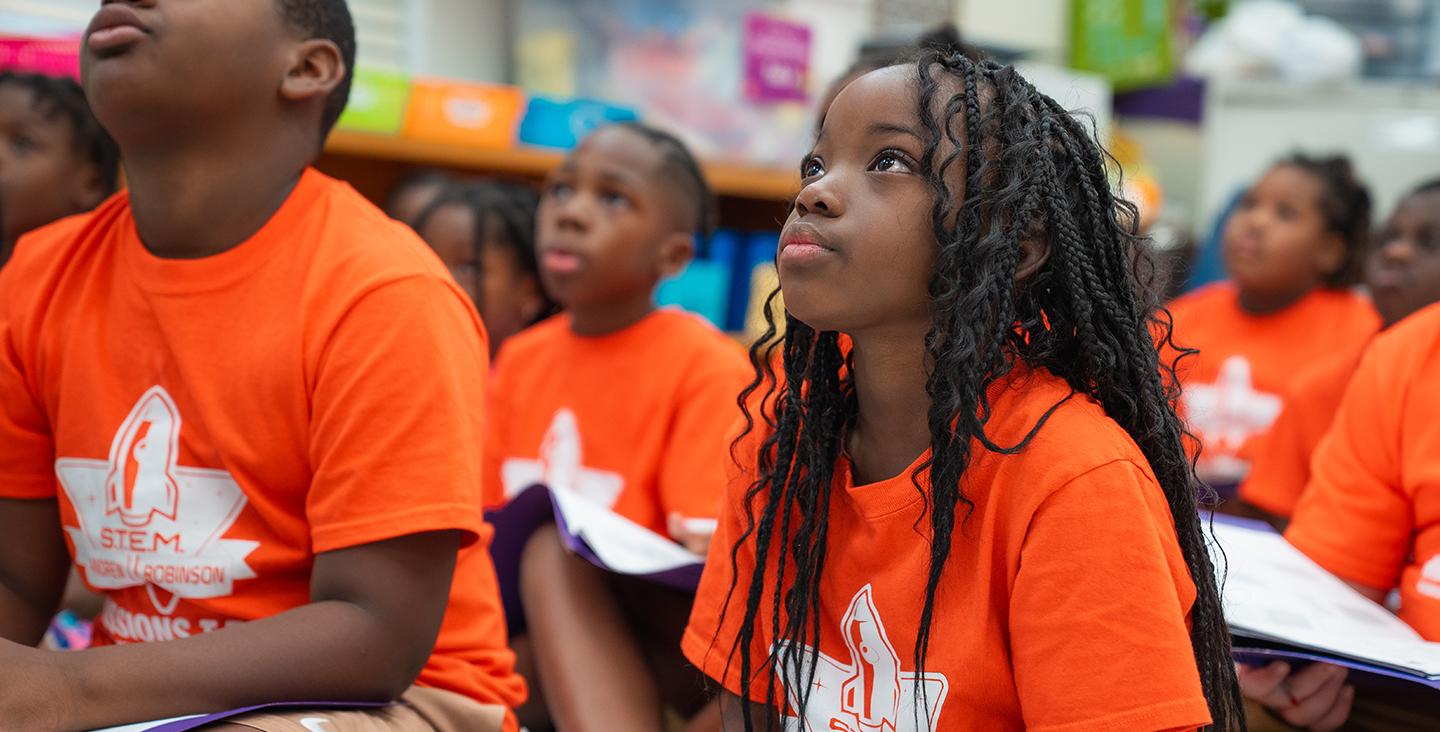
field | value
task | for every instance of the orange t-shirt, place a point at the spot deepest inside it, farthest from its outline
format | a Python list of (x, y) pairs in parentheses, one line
[(634, 420), (1280, 458), (210, 425), (1064, 606), (1233, 389), (1371, 512)]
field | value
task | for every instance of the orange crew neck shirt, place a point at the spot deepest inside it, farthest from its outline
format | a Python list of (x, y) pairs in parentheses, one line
[(1371, 511), (210, 425), (635, 420), (1064, 605), (1234, 388)]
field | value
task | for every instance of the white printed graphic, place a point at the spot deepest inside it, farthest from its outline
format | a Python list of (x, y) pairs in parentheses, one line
[(1429, 582), (144, 520), (561, 466), (1227, 413), (870, 693), (315, 724)]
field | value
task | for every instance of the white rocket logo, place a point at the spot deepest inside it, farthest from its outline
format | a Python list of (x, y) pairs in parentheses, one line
[(142, 459), (561, 466), (871, 693)]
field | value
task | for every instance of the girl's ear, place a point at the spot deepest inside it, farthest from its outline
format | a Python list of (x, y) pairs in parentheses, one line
[(316, 68), (676, 251), (1033, 253), (1330, 255)]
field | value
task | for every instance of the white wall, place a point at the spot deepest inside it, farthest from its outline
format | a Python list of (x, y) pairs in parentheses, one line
[(1039, 27), (464, 39), (1391, 133)]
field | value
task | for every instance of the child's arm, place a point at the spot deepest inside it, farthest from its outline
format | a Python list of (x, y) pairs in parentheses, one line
[(374, 614), (33, 565)]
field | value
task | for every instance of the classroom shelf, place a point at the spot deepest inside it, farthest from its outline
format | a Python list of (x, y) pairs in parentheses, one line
[(737, 181)]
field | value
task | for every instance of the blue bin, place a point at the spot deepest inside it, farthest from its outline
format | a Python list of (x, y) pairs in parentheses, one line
[(562, 124)]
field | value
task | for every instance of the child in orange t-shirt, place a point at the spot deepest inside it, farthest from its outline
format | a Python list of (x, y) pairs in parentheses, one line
[(981, 515), (1371, 516), (625, 405), (243, 400), (1403, 276), (55, 158), (1293, 246), (485, 234)]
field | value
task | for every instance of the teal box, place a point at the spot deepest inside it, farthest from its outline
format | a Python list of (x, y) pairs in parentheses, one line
[(562, 124), (377, 102), (703, 288)]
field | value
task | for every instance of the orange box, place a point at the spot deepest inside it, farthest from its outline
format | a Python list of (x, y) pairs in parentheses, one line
[(464, 113)]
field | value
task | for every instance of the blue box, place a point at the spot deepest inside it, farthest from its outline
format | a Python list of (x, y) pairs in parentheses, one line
[(562, 124)]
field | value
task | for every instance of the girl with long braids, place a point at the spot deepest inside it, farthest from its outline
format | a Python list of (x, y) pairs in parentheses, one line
[(964, 502)]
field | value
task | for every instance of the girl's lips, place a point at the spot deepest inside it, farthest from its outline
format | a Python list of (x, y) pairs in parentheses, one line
[(803, 251), (559, 261)]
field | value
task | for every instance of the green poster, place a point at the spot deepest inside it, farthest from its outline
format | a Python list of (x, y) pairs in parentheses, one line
[(1128, 41)]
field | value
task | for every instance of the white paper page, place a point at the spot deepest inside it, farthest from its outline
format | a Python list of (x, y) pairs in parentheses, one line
[(1271, 588), (623, 545), (141, 726)]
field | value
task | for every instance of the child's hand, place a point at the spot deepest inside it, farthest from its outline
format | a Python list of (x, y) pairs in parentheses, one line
[(1315, 697), (692, 533)]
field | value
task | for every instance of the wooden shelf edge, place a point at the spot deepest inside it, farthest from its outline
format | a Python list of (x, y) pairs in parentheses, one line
[(769, 184)]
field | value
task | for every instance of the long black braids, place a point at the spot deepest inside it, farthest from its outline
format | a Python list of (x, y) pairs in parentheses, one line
[(1032, 172)]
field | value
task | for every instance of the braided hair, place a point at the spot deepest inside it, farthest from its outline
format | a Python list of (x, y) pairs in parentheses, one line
[(1345, 202), (1088, 315)]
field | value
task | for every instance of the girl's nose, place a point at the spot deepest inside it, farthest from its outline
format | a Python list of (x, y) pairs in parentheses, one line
[(818, 198)]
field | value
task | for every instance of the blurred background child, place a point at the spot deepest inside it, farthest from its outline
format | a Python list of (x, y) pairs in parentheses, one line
[(484, 232), (416, 192), (626, 405), (55, 159), (1293, 247), (1403, 275)]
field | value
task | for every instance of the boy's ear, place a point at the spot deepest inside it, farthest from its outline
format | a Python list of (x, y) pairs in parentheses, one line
[(1033, 253), (676, 251), (316, 68)]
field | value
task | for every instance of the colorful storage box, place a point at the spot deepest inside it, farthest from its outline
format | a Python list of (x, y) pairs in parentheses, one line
[(463, 113), (563, 123), (377, 102)]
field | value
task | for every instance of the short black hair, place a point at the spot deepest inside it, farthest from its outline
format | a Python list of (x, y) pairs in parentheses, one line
[(504, 210), (1345, 202), (331, 21), (61, 96), (683, 171)]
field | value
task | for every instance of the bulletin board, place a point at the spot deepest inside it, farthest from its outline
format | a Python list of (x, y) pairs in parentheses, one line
[(1128, 41)]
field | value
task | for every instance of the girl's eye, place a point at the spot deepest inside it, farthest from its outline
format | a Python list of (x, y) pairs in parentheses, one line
[(558, 190), (891, 163), (1287, 213), (23, 144), (614, 199), (811, 167)]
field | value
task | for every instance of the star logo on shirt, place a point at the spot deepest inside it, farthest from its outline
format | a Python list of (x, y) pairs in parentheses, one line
[(561, 466), (145, 520), (870, 693), (1226, 414)]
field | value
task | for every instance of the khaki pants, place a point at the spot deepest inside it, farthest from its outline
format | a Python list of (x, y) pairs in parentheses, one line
[(424, 710), (1375, 710)]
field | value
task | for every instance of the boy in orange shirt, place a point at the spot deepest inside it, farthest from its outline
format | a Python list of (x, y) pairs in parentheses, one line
[(237, 393), (1403, 276), (623, 404), (1293, 246), (55, 158)]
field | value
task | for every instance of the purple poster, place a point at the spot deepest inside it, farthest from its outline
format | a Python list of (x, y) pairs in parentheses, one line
[(777, 59)]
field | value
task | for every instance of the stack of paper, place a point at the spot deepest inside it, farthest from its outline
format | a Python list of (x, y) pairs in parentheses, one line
[(1274, 594)]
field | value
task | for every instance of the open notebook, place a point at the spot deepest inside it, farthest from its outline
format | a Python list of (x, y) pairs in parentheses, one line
[(605, 538), (1281, 605)]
